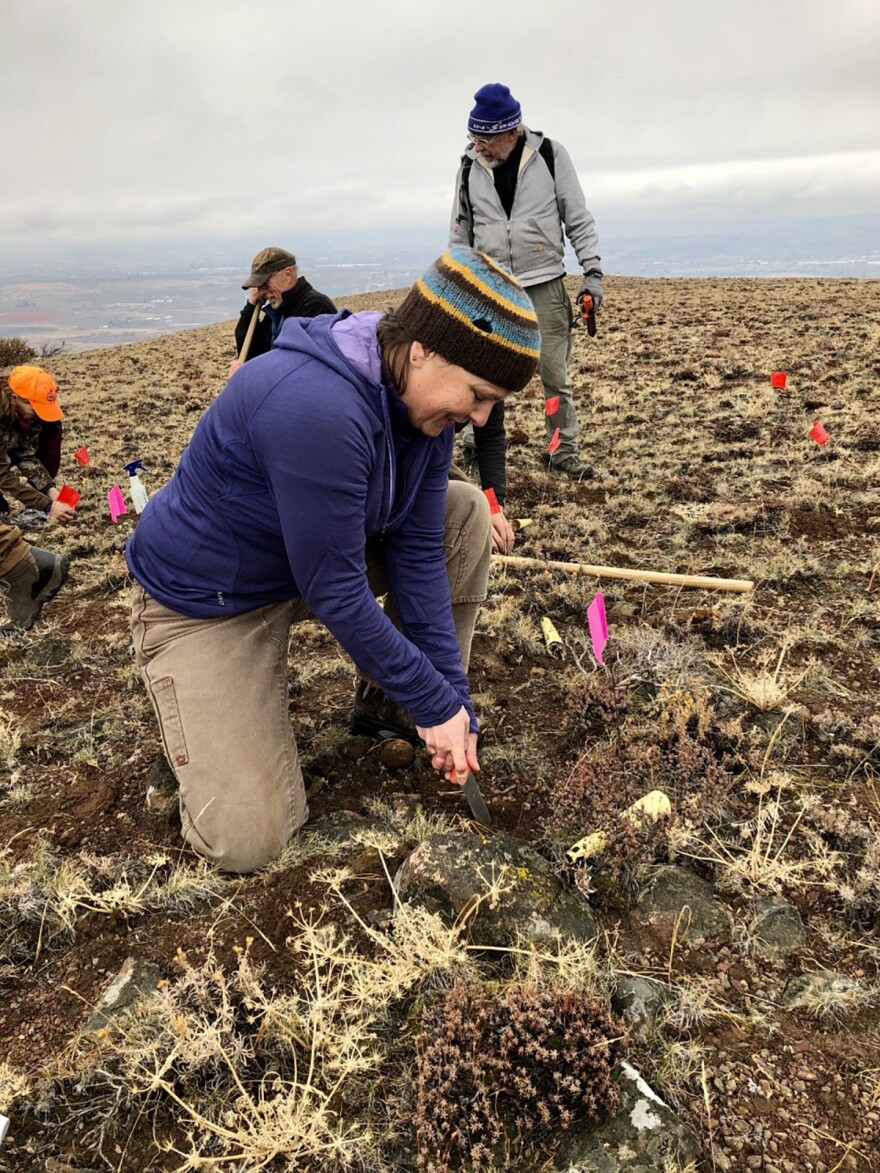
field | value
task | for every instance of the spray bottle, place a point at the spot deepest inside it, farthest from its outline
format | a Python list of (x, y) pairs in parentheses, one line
[(136, 488)]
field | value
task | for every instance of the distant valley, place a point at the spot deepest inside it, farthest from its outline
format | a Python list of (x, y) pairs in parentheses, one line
[(95, 295)]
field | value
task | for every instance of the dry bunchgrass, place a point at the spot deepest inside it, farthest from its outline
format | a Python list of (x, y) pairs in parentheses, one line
[(47, 894), (14, 1087), (778, 848), (323, 1074)]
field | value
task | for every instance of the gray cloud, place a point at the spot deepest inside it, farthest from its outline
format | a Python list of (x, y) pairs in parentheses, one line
[(217, 116)]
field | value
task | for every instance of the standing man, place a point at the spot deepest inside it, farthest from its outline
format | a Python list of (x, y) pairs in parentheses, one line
[(275, 285), (516, 194)]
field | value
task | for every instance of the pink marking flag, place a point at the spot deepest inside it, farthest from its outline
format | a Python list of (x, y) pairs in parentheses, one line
[(489, 494), (551, 405), (555, 442), (82, 455), (69, 496), (818, 433), (778, 379), (598, 625), (116, 502)]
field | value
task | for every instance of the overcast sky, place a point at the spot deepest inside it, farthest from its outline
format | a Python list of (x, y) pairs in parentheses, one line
[(145, 119)]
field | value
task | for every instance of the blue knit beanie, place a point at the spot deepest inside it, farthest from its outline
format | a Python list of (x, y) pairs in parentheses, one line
[(496, 110)]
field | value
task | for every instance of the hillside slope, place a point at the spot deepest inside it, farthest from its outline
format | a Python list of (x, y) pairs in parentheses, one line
[(757, 714)]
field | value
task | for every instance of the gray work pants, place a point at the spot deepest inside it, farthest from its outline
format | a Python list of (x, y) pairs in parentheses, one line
[(219, 691), (555, 320)]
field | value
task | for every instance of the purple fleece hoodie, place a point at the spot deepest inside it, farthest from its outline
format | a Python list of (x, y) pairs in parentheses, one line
[(304, 455)]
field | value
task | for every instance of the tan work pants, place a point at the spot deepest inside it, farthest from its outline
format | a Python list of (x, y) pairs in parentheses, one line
[(219, 691)]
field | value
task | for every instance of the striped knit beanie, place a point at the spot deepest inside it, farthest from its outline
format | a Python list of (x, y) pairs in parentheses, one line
[(476, 315)]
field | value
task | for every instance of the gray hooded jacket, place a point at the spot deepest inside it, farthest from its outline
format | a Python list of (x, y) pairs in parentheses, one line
[(531, 242)]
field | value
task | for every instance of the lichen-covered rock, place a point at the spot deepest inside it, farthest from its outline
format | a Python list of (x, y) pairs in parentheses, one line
[(162, 795), (643, 1136), (673, 896), (510, 888), (136, 979), (639, 1001), (825, 993), (777, 925)]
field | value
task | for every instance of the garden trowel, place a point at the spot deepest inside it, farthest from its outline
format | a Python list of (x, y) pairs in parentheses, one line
[(588, 314), (471, 791)]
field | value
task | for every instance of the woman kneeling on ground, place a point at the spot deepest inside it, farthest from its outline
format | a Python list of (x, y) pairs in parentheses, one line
[(317, 480)]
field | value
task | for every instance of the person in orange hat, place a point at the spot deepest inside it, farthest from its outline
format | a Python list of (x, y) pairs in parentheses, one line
[(30, 434)]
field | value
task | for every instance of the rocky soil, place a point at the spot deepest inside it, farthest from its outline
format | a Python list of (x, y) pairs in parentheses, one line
[(730, 951)]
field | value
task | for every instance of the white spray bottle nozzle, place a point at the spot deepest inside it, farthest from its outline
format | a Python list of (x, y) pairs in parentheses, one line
[(139, 494)]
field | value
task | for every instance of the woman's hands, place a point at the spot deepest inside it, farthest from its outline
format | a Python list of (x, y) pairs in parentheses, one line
[(502, 534), (60, 511), (452, 745)]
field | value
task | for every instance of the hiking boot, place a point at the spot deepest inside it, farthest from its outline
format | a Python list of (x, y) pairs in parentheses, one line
[(33, 581), (572, 466), (375, 715)]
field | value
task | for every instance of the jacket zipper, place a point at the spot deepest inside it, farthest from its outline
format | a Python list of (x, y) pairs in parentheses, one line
[(508, 219)]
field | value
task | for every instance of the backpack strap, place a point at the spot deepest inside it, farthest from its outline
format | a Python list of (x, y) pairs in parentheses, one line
[(465, 218)]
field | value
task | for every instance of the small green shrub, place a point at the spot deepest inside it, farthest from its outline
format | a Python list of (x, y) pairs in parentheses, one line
[(15, 351)]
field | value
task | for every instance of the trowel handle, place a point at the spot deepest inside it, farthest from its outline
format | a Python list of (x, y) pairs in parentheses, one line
[(589, 314), (252, 325)]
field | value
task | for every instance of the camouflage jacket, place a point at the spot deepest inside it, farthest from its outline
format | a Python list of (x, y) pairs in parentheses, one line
[(25, 479)]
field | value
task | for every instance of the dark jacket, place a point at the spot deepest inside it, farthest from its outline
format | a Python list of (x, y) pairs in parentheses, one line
[(303, 457), (490, 444), (302, 301), (21, 474)]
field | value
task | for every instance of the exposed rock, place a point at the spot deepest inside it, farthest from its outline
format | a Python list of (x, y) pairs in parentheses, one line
[(643, 1136), (50, 653), (826, 987), (397, 754), (136, 979), (639, 1001), (674, 896), (162, 791), (777, 925), (510, 888)]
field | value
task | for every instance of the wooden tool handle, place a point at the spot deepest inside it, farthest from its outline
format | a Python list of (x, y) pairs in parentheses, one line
[(741, 585), (246, 345)]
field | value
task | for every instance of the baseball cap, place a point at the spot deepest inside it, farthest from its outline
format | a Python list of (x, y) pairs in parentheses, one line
[(265, 263), (38, 386)]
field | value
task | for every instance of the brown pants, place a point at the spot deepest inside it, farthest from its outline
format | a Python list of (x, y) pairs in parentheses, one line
[(13, 548), (219, 691)]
